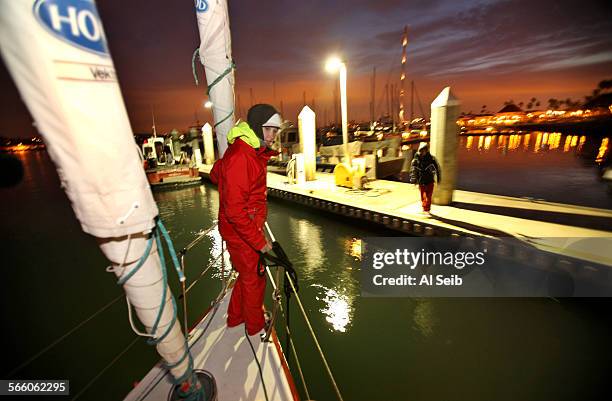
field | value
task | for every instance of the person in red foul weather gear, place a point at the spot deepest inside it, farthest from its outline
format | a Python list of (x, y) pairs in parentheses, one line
[(423, 169), (241, 178)]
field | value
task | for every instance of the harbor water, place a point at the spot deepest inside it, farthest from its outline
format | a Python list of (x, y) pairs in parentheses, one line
[(379, 349)]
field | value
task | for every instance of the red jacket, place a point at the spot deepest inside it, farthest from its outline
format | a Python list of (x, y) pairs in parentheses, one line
[(241, 177)]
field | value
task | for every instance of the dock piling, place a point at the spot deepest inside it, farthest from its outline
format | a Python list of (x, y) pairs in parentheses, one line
[(443, 143), (209, 147)]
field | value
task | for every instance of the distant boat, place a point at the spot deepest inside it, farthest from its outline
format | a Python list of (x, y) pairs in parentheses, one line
[(166, 171)]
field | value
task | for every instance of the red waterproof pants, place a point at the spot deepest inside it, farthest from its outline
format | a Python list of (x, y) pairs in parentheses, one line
[(248, 294), (426, 193)]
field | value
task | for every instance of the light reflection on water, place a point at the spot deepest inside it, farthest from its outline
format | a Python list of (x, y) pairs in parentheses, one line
[(336, 301), (550, 166), (424, 317), (545, 141), (308, 239), (338, 307)]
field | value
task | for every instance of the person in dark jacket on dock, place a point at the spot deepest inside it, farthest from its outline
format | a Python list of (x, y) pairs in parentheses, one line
[(423, 169), (241, 177)]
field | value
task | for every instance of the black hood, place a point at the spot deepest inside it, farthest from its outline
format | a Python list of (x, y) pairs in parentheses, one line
[(258, 115)]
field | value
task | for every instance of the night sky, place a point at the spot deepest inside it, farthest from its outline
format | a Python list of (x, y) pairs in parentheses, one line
[(487, 51)]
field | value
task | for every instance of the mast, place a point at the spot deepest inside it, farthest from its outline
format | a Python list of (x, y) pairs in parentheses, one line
[(403, 76), (66, 77), (412, 101), (387, 98), (153, 116), (216, 56), (373, 98), (393, 106)]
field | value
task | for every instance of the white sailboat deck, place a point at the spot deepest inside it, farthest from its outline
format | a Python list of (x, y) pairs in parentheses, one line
[(225, 352)]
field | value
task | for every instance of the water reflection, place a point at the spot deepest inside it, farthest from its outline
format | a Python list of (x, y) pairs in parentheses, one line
[(338, 296), (353, 248), (338, 309), (469, 142), (567, 168), (603, 150), (424, 317), (308, 237), (544, 141), (216, 247)]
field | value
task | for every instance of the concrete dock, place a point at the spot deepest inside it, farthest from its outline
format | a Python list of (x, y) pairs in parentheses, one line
[(578, 236)]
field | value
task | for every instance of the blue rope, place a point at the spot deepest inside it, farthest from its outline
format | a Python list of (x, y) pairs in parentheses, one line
[(196, 53), (227, 71), (175, 261), (193, 393), (141, 261)]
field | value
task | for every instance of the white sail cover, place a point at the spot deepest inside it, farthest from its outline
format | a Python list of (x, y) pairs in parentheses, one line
[(57, 54), (216, 57)]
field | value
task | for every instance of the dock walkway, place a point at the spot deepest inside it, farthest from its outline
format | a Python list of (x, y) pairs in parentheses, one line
[(570, 231)]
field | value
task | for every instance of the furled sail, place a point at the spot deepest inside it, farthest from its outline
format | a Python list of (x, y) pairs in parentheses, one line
[(216, 57), (57, 54)]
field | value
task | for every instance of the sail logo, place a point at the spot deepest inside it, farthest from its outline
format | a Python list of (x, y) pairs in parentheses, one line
[(201, 5), (74, 21)]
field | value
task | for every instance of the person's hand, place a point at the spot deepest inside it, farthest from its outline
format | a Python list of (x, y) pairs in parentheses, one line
[(267, 248)]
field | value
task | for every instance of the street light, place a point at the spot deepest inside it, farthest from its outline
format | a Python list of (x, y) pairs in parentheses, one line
[(335, 64)]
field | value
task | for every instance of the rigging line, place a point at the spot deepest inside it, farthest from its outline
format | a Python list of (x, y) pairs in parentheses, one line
[(96, 377), (314, 337), (60, 339)]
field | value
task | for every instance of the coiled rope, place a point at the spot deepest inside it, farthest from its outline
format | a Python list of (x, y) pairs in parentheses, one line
[(192, 393)]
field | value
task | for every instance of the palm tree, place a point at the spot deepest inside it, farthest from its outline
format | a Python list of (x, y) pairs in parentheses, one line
[(605, 84), (553, 103)]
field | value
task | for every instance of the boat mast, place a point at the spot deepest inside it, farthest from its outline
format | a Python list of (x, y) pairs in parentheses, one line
[(153, 116), (215, 53), (411, 101), (403, 76), (373, 98)]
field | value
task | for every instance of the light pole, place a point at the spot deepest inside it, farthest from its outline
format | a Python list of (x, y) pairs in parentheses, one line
[(335, 64)]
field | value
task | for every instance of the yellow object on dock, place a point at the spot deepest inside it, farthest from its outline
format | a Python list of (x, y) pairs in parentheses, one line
[(345, 176)]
